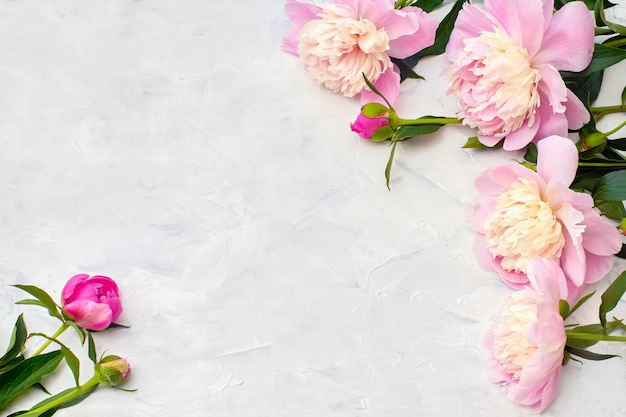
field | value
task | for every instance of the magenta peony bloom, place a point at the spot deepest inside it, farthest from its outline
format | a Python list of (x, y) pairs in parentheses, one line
[(527, 340), (521, 214), (93, 303), (343, 40), (367, 126), (506, 59)]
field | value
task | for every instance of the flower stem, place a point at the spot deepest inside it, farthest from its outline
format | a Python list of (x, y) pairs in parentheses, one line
[(621, 125), (602, 164), (56, 334), (608, 109), (596, 337), (616, 42), (429, 121), (57, 402)]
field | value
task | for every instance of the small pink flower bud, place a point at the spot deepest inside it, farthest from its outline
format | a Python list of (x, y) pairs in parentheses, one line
[(113, 370)]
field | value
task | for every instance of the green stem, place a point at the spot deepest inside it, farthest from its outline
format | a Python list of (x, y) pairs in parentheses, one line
[(596, 337), (601, 164), (429, 121), (61, 329), (608, 109), (621, 125), (616, 42), (603, 31), (35, 412)]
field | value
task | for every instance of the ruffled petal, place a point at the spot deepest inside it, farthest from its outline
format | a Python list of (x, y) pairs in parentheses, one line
[(552, 87), (70, 286), (557, 159), (575, 111), (418, 31), (520, 19), (568, 42)]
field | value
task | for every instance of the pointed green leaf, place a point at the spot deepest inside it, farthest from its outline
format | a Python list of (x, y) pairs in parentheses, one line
[(406, 71), (427, 5), (604, 57), (585, 354), (389, 163), (581, 302), (611, 187), (16, 343), (442, 35), (375, 91), (474, 143), (612, 209), (619, 144), (611, 296), (26, 374), (406, 132), (591, 329), (91, 348), (42, 296)]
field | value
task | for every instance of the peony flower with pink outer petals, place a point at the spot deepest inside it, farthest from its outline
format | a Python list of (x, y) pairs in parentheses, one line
[(521, 214), (527, 341), (345, 39), (93, 303), (506, 58)]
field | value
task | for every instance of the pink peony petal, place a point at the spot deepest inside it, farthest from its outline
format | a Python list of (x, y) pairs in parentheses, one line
[(557, 159), (71, 284), (601, 237), (298, 14), (552, 87), (573, 259), (575, 111), (470, 22), (410, 30), (388, 84), (521, 137), (520, 19), (597, 267), (568, 42), (89, 315)]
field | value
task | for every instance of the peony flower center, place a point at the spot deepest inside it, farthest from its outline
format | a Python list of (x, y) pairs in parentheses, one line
[(510, 344), (523, 226), (339, 47), (496, 84)]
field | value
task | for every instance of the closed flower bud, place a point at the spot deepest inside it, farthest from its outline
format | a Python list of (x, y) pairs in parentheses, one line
[(112, 370), (594, 140)]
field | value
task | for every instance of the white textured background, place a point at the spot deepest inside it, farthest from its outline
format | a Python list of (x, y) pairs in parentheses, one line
[(265, 269)]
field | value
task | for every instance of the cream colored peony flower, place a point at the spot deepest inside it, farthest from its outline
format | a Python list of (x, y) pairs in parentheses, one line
[(338, 47)]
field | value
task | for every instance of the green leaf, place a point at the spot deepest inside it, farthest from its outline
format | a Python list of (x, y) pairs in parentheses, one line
[(406, 132), (427, 5), (474, 143), (580, 302), (611, 187), (442, 35), (375, 90), (389, 163), (91, 348), (406, 71), (71, 401), (585, 86), (28, 373), (591, 329), (619, 144), (611, 296), (42, 296), (79, 330), (72, 361), (612, 209), (604, 57), (16, 343), (531, 153), (585, 354)]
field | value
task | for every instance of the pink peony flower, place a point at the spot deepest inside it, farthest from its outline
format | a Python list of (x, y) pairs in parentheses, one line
[(527, 340), (93, 303), (367, 126), (521, 214), (506, 59), (343, 40)]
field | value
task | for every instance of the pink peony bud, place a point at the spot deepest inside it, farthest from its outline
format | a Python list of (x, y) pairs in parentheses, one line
[(93, 303), (113, 370), (367, 126)]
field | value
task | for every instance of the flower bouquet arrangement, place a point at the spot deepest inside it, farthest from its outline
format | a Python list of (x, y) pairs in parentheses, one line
[(88, 304), (525, 75)]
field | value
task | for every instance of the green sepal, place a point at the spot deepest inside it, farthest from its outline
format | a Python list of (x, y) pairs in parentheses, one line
[(611, 297), (17, 343), (373, 110), (406, 71), (375, 91), (43, 297), (382, 134), (585, 354), (563, 309), (26, 374), (611, 187)]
